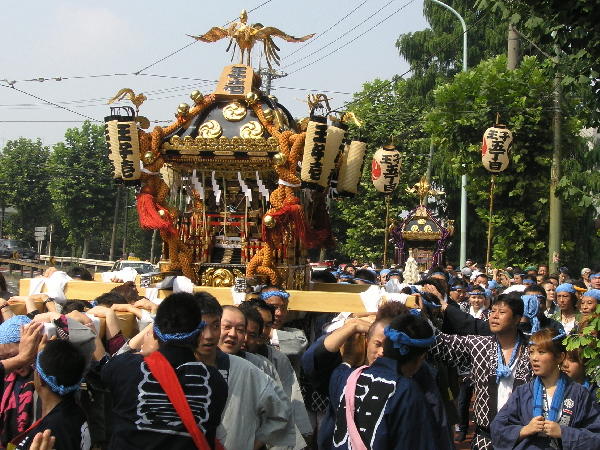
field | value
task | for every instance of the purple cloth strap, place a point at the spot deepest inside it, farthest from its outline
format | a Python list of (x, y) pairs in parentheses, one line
[(349, 390)]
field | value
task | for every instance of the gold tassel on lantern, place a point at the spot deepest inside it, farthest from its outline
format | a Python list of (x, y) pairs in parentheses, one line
[(351, 168)]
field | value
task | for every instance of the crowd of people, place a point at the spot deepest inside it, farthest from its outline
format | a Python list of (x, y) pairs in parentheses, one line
[(258, 376)]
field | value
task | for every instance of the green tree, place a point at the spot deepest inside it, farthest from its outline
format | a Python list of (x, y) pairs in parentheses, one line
[(81, 187), (435, 54), (24, 185), (571, 28), (388, 112), (468, 105)]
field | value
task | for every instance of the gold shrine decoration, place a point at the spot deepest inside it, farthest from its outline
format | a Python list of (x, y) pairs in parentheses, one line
[(122, 139), (234, 112), (252, 130), (246, 36), (495, 148), (423, 189), (210, 130), (385, 169), (314, 151), (235, 81), (351, 168)]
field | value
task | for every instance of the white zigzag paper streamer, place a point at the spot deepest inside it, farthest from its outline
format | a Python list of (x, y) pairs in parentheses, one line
[(216, 188), (247, 192), (261, 187)]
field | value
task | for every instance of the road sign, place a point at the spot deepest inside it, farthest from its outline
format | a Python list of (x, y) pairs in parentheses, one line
[(40, 229)]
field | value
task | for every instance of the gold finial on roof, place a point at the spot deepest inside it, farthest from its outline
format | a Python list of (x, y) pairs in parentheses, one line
[(423, 189), (137, 100), (246, 36)]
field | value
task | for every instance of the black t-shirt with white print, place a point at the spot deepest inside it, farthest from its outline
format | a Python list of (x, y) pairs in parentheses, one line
[(143, 416), (68, 424)]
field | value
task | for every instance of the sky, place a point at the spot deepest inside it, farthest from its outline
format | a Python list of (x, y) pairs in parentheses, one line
[(67, 39)]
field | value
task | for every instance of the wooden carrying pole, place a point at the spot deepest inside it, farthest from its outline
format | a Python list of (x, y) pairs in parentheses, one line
[(489, 236), (386, 229)]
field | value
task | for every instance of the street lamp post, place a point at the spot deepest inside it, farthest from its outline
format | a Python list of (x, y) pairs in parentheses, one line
[(463, 181)]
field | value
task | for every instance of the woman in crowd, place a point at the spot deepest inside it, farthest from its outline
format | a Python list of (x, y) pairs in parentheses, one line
[(551, 411), (574, 367), (566, 300), (589, 302)]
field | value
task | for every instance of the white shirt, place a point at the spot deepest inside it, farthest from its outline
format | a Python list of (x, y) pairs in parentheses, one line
[(505, 387)]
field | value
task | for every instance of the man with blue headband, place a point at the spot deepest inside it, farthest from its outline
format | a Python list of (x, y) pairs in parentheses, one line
[(291, 341), (167, 399), (595, 280), (58, 373)]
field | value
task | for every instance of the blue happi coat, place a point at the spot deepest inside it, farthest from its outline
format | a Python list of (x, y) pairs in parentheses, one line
[(390, 410), (579, 421)]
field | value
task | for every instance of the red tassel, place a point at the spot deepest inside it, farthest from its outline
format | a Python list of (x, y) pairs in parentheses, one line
[(292, 215), (149, 217)]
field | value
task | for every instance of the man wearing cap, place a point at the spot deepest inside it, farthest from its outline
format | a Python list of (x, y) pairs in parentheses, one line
[(17, 411), (595, 280), (383, 276), (566, 300)]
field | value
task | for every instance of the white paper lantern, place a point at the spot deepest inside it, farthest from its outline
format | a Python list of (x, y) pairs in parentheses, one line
[(385, 169), (495, 148)]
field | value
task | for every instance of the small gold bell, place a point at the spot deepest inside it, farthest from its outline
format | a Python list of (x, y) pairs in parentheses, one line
[(148, 157), (279, 159), (251, 98), (269, 221), (269, 114), (183, 109), (197, 97)]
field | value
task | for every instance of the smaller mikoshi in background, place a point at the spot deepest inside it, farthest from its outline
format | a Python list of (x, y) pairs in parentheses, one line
[(495, 148)]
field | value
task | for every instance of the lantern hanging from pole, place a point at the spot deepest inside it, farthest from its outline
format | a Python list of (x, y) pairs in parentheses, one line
[(495, 148), (351, 168), (314, 151), (121, 135), (334, 145), (385, 169)]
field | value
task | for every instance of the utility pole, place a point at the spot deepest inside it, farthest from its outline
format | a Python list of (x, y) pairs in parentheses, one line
[(514, 47), (113, 238), (268, 75), (463, 179), (554, 238)]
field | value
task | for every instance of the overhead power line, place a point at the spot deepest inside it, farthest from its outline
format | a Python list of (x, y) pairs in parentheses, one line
[(355, 38), (388, 82), (320, 35), (45, 101), (138, 72)]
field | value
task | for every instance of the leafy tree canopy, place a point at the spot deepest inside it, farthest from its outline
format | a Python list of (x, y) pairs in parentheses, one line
[(81, 187), (523, 98)]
